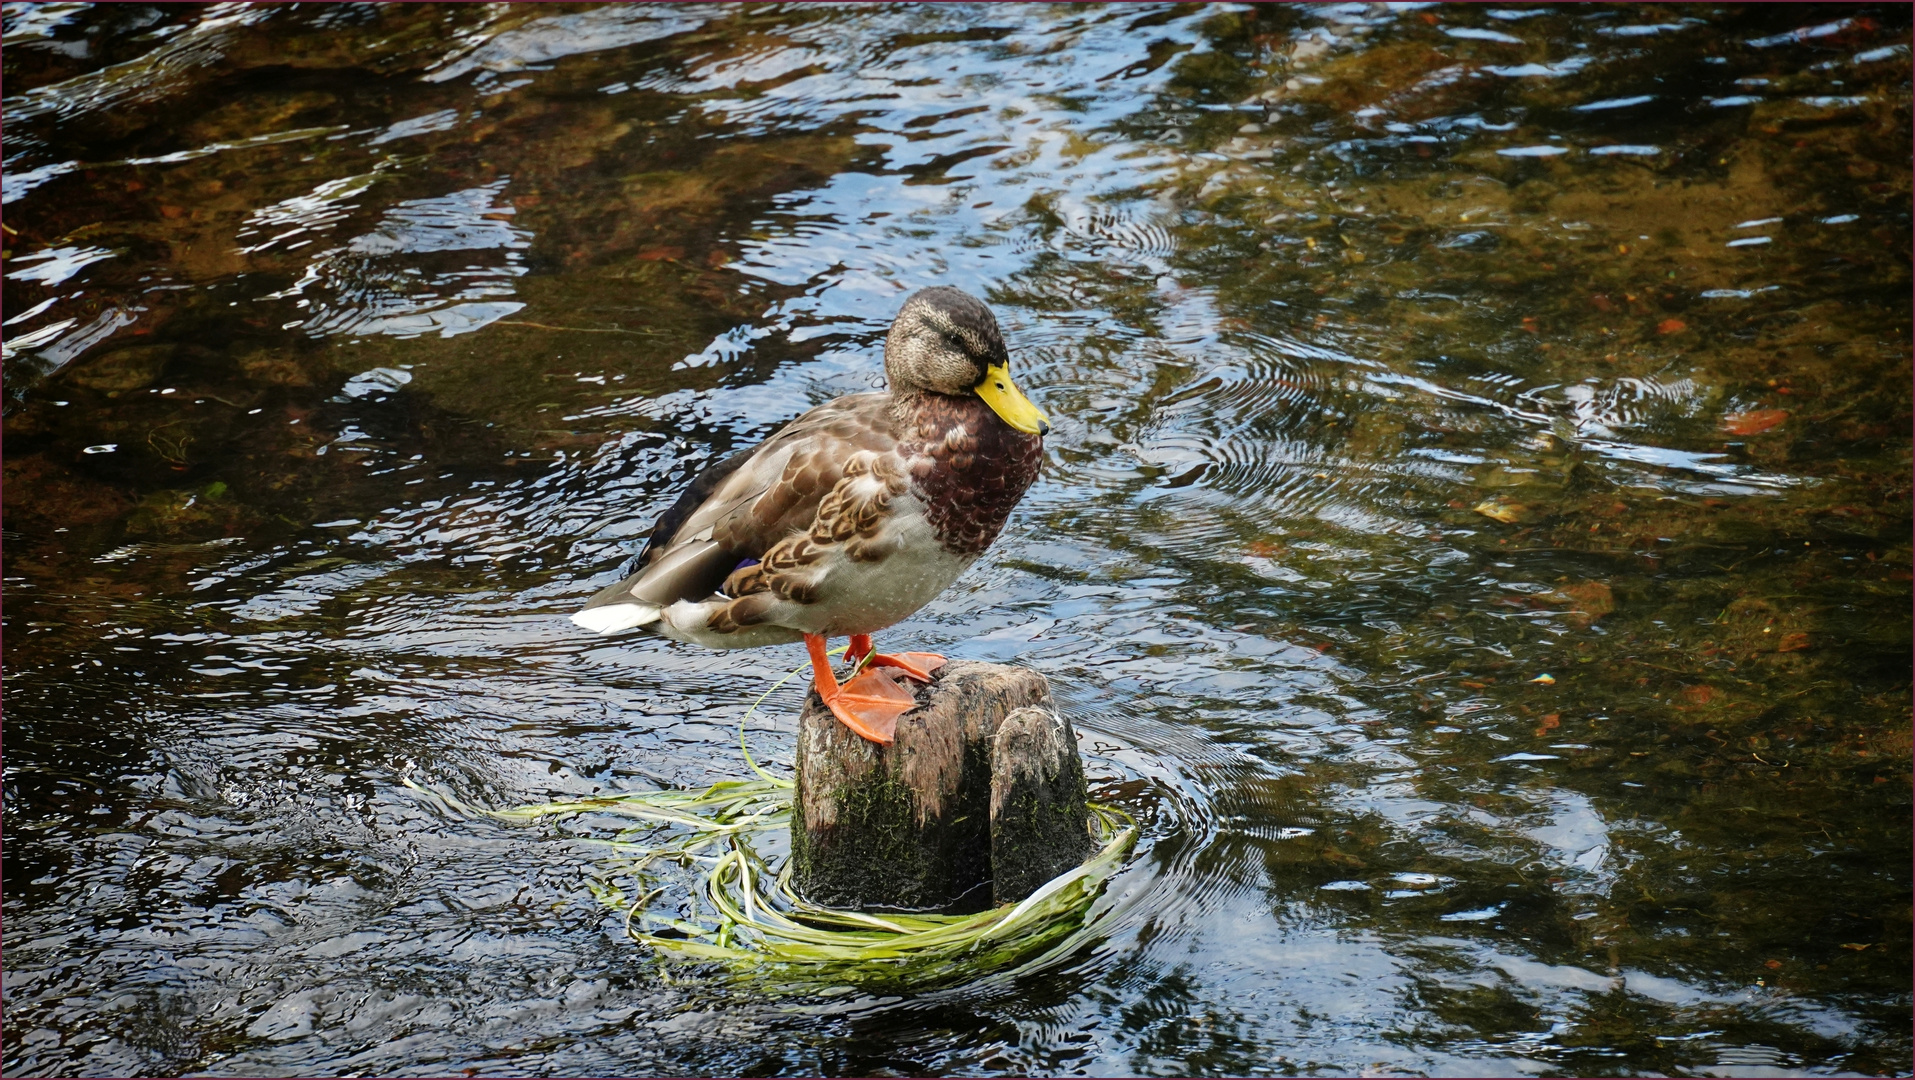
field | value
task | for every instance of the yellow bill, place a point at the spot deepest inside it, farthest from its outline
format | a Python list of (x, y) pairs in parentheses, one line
[(1007, 401)]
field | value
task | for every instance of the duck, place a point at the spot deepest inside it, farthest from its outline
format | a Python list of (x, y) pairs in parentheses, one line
[(849, 518)]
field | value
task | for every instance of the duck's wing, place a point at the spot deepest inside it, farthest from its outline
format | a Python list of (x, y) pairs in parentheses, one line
[(736, 509), (691, 499)]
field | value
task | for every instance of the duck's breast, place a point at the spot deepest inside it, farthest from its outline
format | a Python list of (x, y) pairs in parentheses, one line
[(969, 468), (865, 595)]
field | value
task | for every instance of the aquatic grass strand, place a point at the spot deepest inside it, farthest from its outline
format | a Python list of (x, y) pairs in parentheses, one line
[(772, 689), (762, 921), (754, 923)]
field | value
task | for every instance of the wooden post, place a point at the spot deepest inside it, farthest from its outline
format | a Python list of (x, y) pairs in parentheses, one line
[(981, 796), (1039, 823)]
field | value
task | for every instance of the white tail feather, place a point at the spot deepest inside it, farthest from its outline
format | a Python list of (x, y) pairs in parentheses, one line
[(614, 617)]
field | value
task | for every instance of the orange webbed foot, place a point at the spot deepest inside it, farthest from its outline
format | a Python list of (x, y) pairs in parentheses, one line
[(914, 665), (870, 705)]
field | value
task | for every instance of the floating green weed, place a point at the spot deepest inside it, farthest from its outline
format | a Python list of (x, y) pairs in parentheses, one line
[(699, 890)]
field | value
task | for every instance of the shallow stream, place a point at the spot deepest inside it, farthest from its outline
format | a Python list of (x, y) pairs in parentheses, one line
[(1474, 539)]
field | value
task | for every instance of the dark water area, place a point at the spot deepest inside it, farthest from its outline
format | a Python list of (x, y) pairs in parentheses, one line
[(1474, 537)]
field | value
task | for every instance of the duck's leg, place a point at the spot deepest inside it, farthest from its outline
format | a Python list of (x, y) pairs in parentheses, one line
[(914, 665), (869, 704)]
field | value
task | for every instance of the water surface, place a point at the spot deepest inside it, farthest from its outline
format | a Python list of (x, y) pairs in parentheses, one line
[(1474, 540)]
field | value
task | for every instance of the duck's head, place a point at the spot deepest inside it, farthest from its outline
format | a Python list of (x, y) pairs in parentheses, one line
[(947, 342)]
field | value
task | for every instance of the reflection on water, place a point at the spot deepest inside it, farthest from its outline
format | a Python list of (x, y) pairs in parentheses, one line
[(1475, 538)]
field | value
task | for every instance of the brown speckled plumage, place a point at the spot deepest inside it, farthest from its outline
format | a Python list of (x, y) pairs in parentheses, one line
[(854, 514), (969, 467), (851, 514)]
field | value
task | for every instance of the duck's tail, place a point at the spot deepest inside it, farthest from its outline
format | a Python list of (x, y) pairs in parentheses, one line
[(612, 618), (682, 572)]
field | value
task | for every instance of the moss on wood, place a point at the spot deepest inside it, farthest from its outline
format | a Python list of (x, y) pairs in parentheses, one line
[(913, 826)]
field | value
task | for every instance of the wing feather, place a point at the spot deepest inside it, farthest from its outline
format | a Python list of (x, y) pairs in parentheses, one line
[(739, 508)]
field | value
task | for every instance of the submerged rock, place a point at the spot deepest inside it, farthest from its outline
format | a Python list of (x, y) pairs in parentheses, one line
[(129, 368)]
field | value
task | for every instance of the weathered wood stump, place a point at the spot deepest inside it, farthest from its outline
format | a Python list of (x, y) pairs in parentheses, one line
[(1039, 823), (979, 801)]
